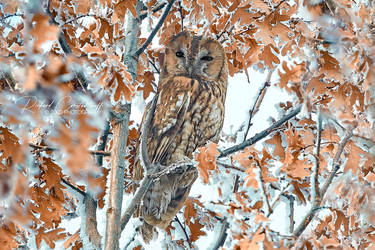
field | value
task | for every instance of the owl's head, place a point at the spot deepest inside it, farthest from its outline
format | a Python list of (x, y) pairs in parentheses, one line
[(196, 57)]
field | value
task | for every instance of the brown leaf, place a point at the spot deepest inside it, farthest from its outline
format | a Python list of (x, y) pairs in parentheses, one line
[(43, 31), (207, 160), (268, 56)]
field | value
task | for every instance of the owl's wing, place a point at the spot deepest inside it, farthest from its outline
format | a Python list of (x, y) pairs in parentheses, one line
[(168, 117)]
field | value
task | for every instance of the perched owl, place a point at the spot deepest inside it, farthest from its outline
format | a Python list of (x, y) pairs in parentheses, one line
[(189, 112)]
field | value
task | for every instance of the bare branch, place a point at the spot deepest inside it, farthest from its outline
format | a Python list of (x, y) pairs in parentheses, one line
[(89, 226), (181, 15), (154, 10), (291, 212), (260, 135), (258, 101), (263, 189), (101, 146), (9, 79), (336, 162), (158, 26), (184, 230), (120, 121), (47, 148), (228, 166), (73, 188), (316, 205), (314, 177)]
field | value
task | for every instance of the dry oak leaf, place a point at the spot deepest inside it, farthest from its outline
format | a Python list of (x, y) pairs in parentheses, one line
[(10, 148), (50, 237), (207, 160), (291, 75), (269, 57), (43, 31), (8, 233), (246, 244), (278, 149)]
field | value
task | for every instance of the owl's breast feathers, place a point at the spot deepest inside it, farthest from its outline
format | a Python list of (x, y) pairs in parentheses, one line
[(189, 112)]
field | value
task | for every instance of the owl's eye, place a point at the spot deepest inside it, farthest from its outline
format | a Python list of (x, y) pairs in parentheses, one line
[(180, 54), (207, 58)]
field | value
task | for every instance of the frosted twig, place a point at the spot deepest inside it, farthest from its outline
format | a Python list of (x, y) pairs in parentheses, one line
[(291, 212), (158, 26), (263, 189), (228, 166), (101, 146), (47, 148), (260, 135), (258, 101), (9, 79), (184, 230), (336, 165), (154, 10), (314, 177)]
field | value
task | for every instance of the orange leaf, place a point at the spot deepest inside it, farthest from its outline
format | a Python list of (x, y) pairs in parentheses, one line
[(268, 56), (43, 31), (207, 160)]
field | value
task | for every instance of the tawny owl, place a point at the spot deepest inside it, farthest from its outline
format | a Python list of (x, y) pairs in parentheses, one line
[(189, 112)]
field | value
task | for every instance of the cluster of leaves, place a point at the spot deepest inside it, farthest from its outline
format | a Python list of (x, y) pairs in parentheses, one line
[(57, 89)]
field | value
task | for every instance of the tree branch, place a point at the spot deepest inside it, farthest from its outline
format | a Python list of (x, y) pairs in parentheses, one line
[(158, 26), (103, 143), (120, 121), (336, 165), (263, 189), (314, 177), (184, 230), (89, 225), (47, 148), (260, 135), (154, 10), (258, 101)]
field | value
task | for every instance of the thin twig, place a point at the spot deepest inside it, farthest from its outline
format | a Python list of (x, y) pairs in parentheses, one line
[(291, 212), (181, 15), (158, 26), (103, 143), (74, 188), (78, 17), (258, 101), (314, 177), (154, 66), (228, 166), (260, 135), (263, 188), (336, 165), (47, 148), (9, 79), (184, 230), (154, 10)]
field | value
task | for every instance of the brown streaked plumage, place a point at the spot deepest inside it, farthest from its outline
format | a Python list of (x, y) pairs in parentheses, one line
[(189, 112)]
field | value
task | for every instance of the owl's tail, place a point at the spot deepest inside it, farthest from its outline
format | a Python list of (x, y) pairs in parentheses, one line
[(147, 231)]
